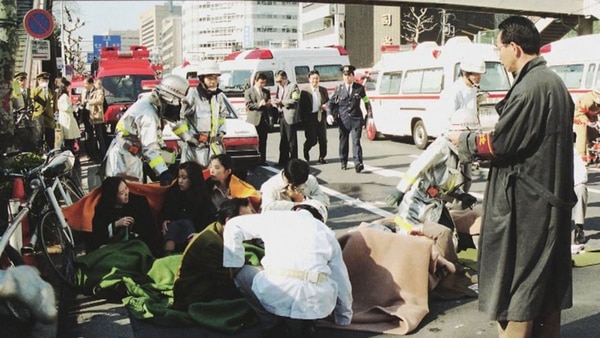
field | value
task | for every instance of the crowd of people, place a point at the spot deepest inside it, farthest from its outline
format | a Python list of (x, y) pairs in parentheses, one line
[(523, 238)]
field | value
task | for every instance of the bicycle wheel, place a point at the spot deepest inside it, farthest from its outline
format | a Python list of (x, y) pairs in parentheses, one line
[(72, 189), (58, 248)]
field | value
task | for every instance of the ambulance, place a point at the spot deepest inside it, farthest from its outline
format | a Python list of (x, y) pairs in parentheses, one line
[(406, 99), (575, 61), (239, 68)]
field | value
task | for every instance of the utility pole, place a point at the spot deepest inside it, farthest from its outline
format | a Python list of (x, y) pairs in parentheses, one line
[(8, 46), (447, 29)]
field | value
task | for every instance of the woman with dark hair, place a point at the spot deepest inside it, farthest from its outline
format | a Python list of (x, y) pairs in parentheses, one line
[(222, 184), (67, 121), (121, 216), (187, 209)]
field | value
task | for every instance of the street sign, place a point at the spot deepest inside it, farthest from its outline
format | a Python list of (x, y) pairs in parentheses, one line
[(40, 49), (90, 58), (105, 41), (38, 23)]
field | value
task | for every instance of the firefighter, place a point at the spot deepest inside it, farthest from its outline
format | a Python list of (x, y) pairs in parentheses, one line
[(431, 181), (586, 114), (138, 132), (202, 124)]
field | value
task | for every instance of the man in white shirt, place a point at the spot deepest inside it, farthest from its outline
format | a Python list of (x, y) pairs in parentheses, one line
[(291, 186), (303, 276)]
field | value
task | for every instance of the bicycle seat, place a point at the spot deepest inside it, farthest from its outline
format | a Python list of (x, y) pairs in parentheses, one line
[(58, 165)]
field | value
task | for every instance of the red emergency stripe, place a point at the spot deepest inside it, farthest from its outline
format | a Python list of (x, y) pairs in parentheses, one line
[(500, 95), (484, 145)]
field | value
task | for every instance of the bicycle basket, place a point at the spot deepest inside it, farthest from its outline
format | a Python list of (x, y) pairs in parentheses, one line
[(59, 164)]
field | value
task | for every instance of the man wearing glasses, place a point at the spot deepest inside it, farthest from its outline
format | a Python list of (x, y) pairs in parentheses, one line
[(344, 106)]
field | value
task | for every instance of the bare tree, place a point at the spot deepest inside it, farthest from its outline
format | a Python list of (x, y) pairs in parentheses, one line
[(73, 53), (416, 21)]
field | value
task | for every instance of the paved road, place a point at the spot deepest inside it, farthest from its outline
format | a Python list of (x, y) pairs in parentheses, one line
[(356, 198)]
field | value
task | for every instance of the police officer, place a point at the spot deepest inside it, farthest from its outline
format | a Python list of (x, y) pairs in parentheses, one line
[(344, 106), (44, 106), (138, 132), (21, 97)]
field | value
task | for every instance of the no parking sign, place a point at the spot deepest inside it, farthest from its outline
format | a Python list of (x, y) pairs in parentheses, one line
[(38, 23)]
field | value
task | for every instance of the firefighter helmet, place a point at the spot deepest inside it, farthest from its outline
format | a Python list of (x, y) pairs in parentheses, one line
[(473, 64), (172, 89), (209, 67)]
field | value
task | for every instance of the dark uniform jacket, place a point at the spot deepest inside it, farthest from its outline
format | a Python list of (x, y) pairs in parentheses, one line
[(44, 106), (524, 247), (346, 106)]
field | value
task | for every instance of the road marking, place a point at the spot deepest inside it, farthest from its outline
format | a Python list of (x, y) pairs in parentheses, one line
[(353, 201)]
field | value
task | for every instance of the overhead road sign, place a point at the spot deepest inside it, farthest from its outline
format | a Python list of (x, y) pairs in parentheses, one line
[(38, 23)]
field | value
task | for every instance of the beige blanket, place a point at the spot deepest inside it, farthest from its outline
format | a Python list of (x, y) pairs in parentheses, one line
[(390, 276)]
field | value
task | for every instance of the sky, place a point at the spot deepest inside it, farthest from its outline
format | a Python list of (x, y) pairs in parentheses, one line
[(100, 16)]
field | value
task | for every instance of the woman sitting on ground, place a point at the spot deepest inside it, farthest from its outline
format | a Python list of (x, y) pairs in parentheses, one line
[(222, 184), (187, 208), (121, 216)]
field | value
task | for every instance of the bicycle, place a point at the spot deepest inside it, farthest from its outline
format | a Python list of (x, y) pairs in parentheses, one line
[(51, 188)]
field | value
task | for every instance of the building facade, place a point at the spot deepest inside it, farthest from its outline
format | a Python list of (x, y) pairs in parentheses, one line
[(171, 43), (151, 29), (214, 29)]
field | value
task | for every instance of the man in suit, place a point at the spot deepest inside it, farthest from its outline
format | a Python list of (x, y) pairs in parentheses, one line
[(344, 106), (258, 104), (287, 100), (313, 107), (44, 106)]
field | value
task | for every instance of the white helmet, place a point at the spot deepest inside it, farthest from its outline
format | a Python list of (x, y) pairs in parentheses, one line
[(172, 89), (316, 208), (464, 119), (209, 67), (473, 64)]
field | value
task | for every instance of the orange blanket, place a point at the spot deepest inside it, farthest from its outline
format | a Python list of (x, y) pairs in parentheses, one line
[(80, 214), (390, 276)]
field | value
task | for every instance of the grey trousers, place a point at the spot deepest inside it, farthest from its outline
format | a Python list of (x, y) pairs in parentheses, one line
[(580, 208), (243, 280)]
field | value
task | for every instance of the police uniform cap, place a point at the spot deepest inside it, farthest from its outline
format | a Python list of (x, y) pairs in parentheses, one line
[(20, 75), (349, 69), (43, 75)]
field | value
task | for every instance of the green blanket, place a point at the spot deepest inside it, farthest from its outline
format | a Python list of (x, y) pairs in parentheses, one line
[(127, 270)]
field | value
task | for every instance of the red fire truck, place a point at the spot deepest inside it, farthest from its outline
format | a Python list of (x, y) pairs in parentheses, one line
[(122, 73)]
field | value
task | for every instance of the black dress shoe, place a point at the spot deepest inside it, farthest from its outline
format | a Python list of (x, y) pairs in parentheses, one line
[(322, 160), (344, 166), (359, 167)]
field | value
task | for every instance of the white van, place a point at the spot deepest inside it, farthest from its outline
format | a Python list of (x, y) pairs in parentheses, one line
[(575, 61), (188, 70), (406, 99), (239, 68)]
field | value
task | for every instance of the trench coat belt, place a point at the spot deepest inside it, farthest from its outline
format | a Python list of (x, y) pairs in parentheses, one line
[(319, 115), (535, 186), (308, 276)]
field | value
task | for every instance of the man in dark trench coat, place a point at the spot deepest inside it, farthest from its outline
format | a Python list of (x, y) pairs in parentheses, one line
[(524, 250)]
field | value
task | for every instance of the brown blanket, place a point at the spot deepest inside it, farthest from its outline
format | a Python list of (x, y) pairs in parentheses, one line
[(390, 276)]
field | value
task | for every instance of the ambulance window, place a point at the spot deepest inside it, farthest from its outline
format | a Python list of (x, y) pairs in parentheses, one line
[(390, 83), (432, 80), (495, 77), (412, 81), (570, 74), (589, 76), (371, 82), (329, 72), (598, 78), (301, 74)]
